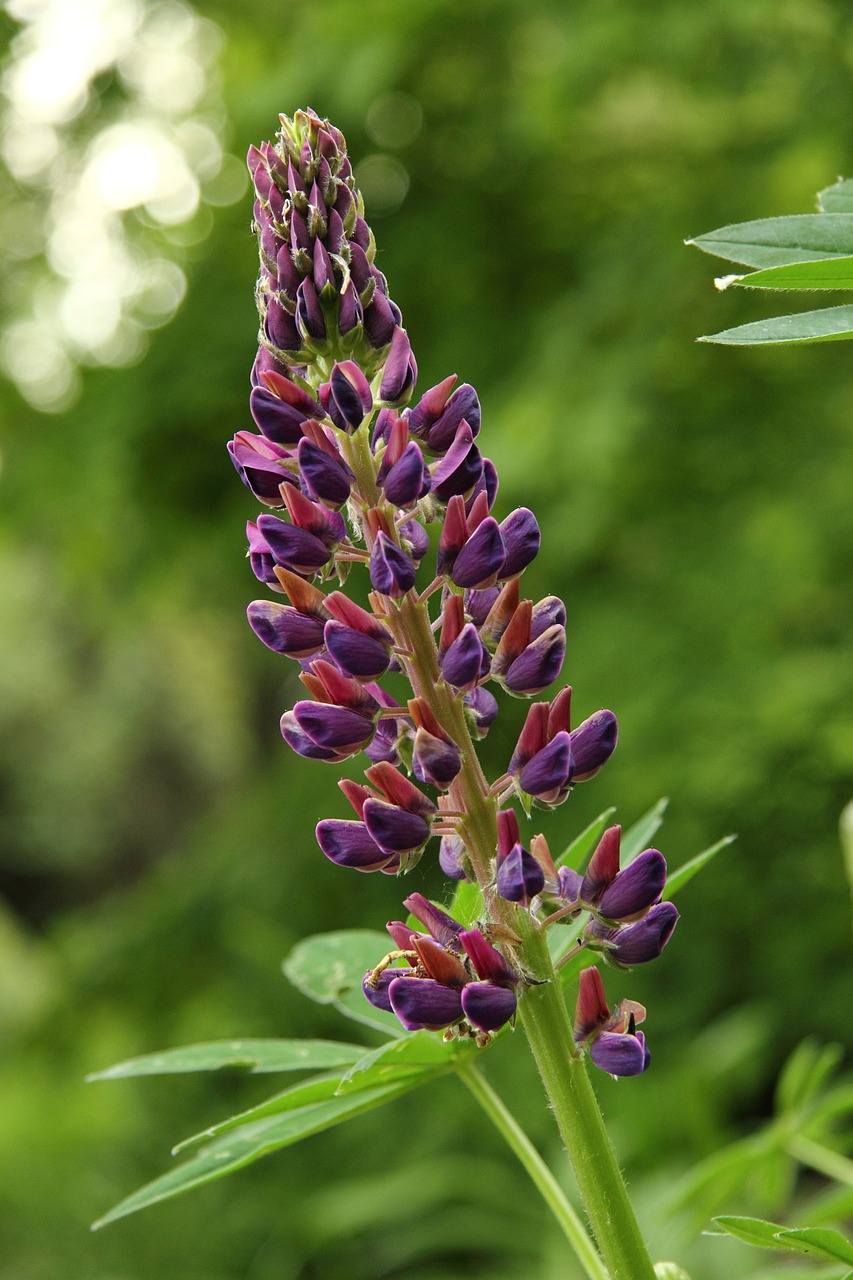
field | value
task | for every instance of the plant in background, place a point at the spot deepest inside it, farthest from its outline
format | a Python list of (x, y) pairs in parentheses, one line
[(398, 594)]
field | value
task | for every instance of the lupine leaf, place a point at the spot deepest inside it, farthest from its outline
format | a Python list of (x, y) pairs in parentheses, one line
[(832, 324), (250, 1142), (467, 904), (822, 1240), (764, 1235), (307, 1093), (329, 967), (836, 199), (258, 1055), (805, 1073), (819, 273), (682, 875), (774, 242), (637, 837), (575, 853), (423, 1053)]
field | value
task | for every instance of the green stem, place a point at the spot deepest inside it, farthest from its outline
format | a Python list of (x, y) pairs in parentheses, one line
[(541, 1176), (830, 1163)]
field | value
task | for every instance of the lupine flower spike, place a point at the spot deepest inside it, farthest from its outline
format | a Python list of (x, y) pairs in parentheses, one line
[(352, 465)]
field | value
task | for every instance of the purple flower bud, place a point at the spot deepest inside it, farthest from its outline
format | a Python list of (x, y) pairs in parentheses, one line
[(379, 320), (278, 421), (452, 858), (538, 665), (479, 603), (638, 943), (358, 655), (547, 775), (460, 468), (350, 311), (377, 992), (620, 1055), (488, 1006), (467, 659), (288, 274), (280, 327), (636, 888), (442, 926), (391, 571), (435, 760), (430, 406), (415, 535), (293, 547), (304, 745), (350, 397), (482, 708), (325, 477), (593, 743), (400, 370), (260, 555), (568, 884), (521, 537), (285, 630), (423, 1003), (480, 560), (519, 876), (333, 728), (549, 612), (260, 465), (324, 272), (463, 405), (409, 478), (348, 844), (309, 314), (603, 866), (395, 830)]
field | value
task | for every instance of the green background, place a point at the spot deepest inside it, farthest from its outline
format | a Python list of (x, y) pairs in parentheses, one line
[(157, 859)]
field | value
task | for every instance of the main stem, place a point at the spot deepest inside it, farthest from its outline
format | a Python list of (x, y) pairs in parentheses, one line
[(542, 1010)]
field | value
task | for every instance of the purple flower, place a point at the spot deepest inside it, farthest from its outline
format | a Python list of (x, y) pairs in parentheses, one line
[(613, 1043), (634, 943), (391, 571)]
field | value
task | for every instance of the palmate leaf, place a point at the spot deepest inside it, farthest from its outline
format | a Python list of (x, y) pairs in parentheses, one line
[(249, 1141), (258, 1055), (329, 967)]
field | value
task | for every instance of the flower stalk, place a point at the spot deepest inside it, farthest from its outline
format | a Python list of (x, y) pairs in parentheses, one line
[(356, 476)]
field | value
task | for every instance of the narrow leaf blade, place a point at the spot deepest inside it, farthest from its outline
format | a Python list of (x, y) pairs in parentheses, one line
[(422, 1053), (637, 837), (684, 874), (755, 1231), (821, 1240), (820, 273), (832, 324), (258, 1055), (775, 242), (576, 852)]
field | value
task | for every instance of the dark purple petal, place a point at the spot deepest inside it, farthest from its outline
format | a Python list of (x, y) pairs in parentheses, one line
[(462, 405), (482, 707), (481, 558), (539, 664), (395, 829), (409, 478), (522, 538), (400, 372), (356, 654), (292, 547), (327, 478), (333, 728), (423, 1003), (260, 556), (281, 328), (348, 844), (593, 743), (351, 398), (460, 468), (467, 660), (379, 320), (478, 604), (442, 926), (278, 421), (285, 630), (300, 742), (452, 858), (638, 943), (417, 537), (391, 571), (434, 760), (377, 993), (261, 474), (487, 1006), (547, 613), (569, 882), (519, 877), (309, 313), (547, 774), (636, 888), (620, 1055), (350, 312)]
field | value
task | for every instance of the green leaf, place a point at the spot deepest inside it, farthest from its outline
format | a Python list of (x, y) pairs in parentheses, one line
[(822, 1240), (250, 1142), (258, 1055), (423, 1053), (575, 853), (764, 1235), (774, 242), (307, 1093), (467, 904), (831, 324), (329, 967), (820, 273), (637, 837), (682, 875), (836, 199), (805, 1073)]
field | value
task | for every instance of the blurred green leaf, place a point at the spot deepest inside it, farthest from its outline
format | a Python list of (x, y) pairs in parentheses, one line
[(467, 904), (773, 242), (805, 1073), (258, 1055), (836, 199), (637, 837), (821, 1240), (829, 325), (764, 1235), (249, 1142), (329, 967), (682, 875), (576, 852), (820, 273), (423, 1053)]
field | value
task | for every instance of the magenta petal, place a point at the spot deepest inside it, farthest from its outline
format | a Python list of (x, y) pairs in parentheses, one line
[(488, 1006)]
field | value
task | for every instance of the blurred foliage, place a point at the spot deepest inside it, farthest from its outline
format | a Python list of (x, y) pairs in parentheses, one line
[(157, 856)]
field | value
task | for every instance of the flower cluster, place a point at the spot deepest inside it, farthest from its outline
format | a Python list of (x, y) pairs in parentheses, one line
[(351, 474)]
